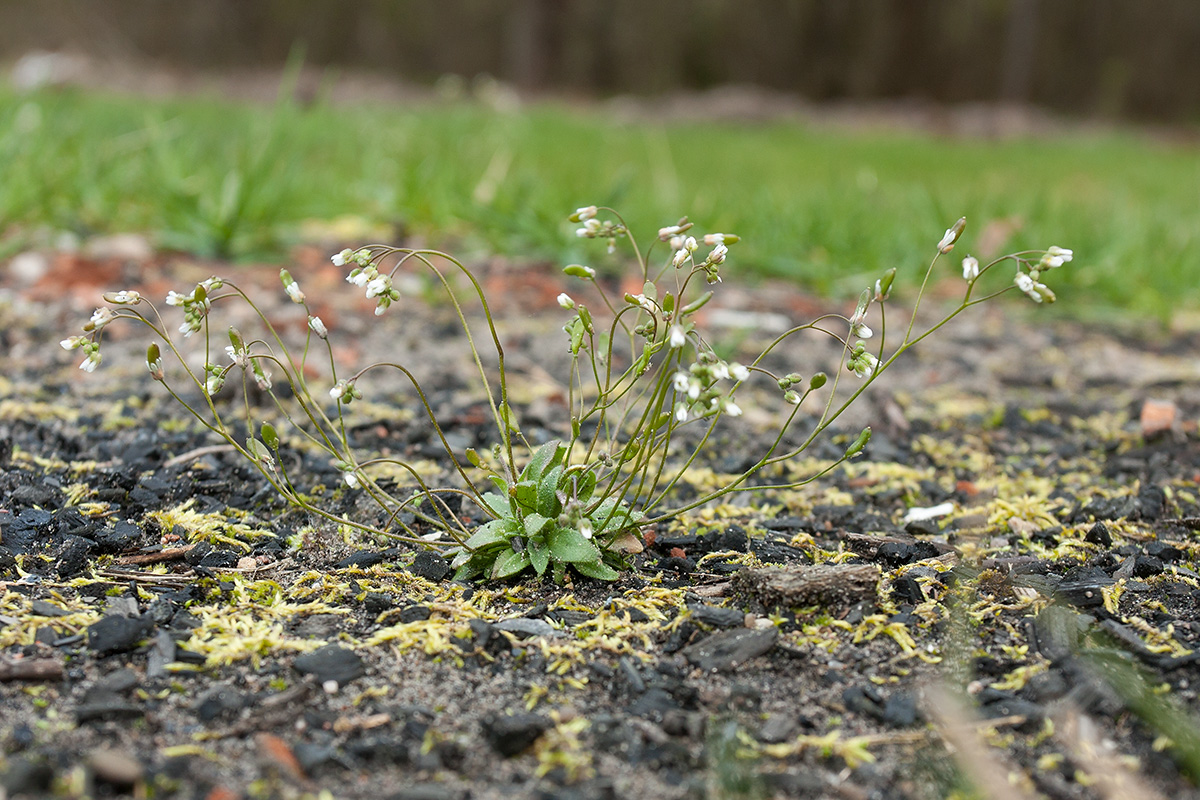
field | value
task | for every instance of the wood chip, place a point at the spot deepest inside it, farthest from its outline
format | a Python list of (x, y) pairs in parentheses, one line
[(826, 585), (31, 669)]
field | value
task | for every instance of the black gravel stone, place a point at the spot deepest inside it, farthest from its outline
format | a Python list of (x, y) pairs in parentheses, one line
[(1145, 566), (511, 735), (718, 617), (123, 535), (72, 555), (1081, 586), (366, 559), (727, 650), (375, 603), (116, 633), (654, 705), (1098, 534), (219, 701), (895, 554), (109, 708), (900, 711), (331, 663), (41, 495), (43, 609), (906, 590), (525, 627), (922, 527), (27, 777), (415, 613), (1164, 551), (430, 566)]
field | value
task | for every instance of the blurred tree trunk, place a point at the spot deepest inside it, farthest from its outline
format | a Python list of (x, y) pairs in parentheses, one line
[(1020, 46)]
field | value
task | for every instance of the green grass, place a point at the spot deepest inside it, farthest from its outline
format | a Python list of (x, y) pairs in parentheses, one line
[(831, 209)]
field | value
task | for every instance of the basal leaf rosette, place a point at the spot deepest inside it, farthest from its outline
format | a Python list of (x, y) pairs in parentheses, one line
[(549, 519)]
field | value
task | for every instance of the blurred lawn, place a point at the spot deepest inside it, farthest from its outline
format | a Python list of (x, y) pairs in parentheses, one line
[(829, 208)]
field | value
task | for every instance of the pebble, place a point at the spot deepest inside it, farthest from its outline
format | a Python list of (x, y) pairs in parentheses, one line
[(117, 633), (430, 566), (727, 650), (331, 663), (511, 735), (1158, 417), (116, 767)]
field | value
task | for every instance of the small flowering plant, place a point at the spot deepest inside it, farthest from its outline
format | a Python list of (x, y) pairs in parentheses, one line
[(646, 393)]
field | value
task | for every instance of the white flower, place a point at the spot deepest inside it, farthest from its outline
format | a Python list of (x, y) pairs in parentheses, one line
[(1029, 286), (565, 301), (681, 381), (176, 299), (73, 343), (720, 371), (358, 277), (791, 397), (732, 409), (351, 479), (714, 238), (717, 256), (262, 376), (91, 362), (378, 286), (318, 327), (379, 309), (646, 303), (238, 357), (681, 413), (342, 258), (589, 230), (857, 325), (677, 337), (293, 291), (585, 213), (585, 528), (681, 255), (948, 240), (864, 366), (970, 266), (101, 317), (671, 230), (676, 242), (126, 296), (214, 383), (339, 390), (739, 372), (1061, 252)]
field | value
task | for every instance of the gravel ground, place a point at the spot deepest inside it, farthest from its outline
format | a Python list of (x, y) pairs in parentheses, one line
[(168, 628)]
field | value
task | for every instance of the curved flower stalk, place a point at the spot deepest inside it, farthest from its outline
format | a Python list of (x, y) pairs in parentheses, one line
[(646, 393)]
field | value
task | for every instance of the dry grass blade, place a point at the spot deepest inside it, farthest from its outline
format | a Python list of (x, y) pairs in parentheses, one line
[(988, 769)]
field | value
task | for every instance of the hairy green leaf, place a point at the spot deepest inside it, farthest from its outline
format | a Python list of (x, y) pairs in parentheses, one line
[(596, 569), (568, 544), (509, 563)]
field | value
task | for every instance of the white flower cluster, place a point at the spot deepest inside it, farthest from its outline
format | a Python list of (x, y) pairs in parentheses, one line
[(367, 276), (91, 351), (699, 392), (685, 247), (345, 392), (862, 363), (195, 304), (1029, 283)]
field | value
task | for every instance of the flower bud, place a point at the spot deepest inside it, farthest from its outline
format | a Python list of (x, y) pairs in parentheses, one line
[(970, 267), (817, 381), (154, 361), (951, 235)]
